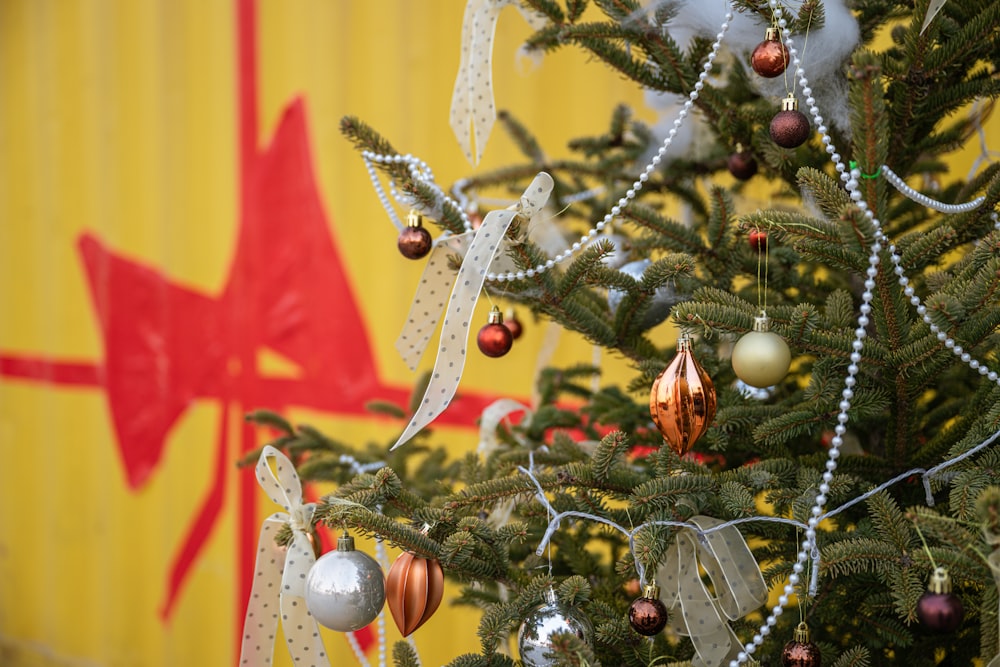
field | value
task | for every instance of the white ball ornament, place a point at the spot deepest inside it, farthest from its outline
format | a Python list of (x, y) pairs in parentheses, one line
[(761, 358), (345, 589), (534, 639)]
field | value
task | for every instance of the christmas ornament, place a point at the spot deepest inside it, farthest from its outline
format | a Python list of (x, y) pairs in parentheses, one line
[(345, 589), (620, 256), (413, 591), (534, 638), (414, 241), (758, 240), (761, 358), (800, 652), (939, 610), (659, 306), (494, 338), (770, 57), (789, 127), (742, 164), (511, 322), (682, 400), (647, 614)]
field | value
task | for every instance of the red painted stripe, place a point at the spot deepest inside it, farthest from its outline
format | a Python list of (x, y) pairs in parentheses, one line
[(51, 372)]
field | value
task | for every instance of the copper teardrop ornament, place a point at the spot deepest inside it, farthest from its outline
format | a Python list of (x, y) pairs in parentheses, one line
[(414, 589), (682, 400)]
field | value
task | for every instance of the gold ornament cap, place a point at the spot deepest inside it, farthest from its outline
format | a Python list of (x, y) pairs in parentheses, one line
[(495, 316), (771, 35), (802, 633), (414, 219), (761, 323), (651, 592), (940, 583), (790, 103), (345, 543)]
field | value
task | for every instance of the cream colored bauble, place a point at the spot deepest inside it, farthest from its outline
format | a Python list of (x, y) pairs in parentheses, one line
[(761, 358)]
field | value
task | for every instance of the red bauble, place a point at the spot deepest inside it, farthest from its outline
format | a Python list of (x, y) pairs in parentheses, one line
[(939, 610), (758, 240), (512, 323), (414, 241), (742, 164), (789, 127), (494, 338), (647, 614), (801, 652), (770, 57)]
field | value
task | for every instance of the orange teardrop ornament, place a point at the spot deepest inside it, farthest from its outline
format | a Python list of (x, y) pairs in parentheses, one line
[(682, 400), (413, 591)]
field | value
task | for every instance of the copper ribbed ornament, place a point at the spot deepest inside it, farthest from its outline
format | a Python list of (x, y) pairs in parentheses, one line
[(789, 128), (647, 614), (414, 241), (800, 652), (770, 57), (682, 400), (940, 610), (413, 591), (494, 339)]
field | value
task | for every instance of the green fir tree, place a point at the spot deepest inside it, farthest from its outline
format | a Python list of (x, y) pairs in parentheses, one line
[(911, 401)]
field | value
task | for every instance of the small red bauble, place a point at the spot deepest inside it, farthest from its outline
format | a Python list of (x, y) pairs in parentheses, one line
[(800, 652), (939, 610), (494, 338), (512, 323), (770, 57), (742, 164), (647, 614), (414, 241), (758, 240), (789, 127)]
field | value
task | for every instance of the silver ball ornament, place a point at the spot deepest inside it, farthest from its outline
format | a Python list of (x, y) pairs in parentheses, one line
[(621, 254), (345, 589), (761, 358), (534, 639), (659, 307)]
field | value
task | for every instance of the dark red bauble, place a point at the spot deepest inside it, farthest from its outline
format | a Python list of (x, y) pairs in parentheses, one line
[(647, 614), (512, 323), (801, 652), (758, 240), (770, 57), (494, 338), (789, 128), (742, 165), (414, 242), (939, 610)]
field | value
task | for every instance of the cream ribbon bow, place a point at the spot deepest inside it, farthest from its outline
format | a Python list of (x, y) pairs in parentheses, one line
[(993, 560), (465, 291), (280, 573), (472, 106), (736, 578)]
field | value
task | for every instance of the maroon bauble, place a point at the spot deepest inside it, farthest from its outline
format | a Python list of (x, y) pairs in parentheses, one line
[(742, 165), (801, 652), (494, 338), (414, 241), (789, 127), (939, 610), (512, 323), (770, 57), (647, 614), (758, 240)]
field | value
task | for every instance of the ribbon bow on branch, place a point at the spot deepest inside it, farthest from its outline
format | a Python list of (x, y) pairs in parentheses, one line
[(736, 579), (479, 258), (280, 580)]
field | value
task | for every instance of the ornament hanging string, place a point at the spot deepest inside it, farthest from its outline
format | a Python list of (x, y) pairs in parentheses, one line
[(279, 583)]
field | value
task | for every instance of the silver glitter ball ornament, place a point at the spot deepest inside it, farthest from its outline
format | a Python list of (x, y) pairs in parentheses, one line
[(345, 589), (534, 639), (659, 307)]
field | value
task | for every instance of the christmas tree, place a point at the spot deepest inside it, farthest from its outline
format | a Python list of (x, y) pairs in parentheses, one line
[(806, 472)]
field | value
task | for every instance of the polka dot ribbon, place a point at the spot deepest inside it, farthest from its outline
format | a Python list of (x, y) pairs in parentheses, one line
[(736, 579), (472, 108), (465, 293), (496, 412), (279, 583), (993, 560)]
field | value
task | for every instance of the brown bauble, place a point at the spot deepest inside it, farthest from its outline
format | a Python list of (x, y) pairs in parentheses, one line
[(514, 324), (414, 242), (742, 165), (647, 614), (801, 651), (940, 611), (770, 57), (494, 339), (789, 128)]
